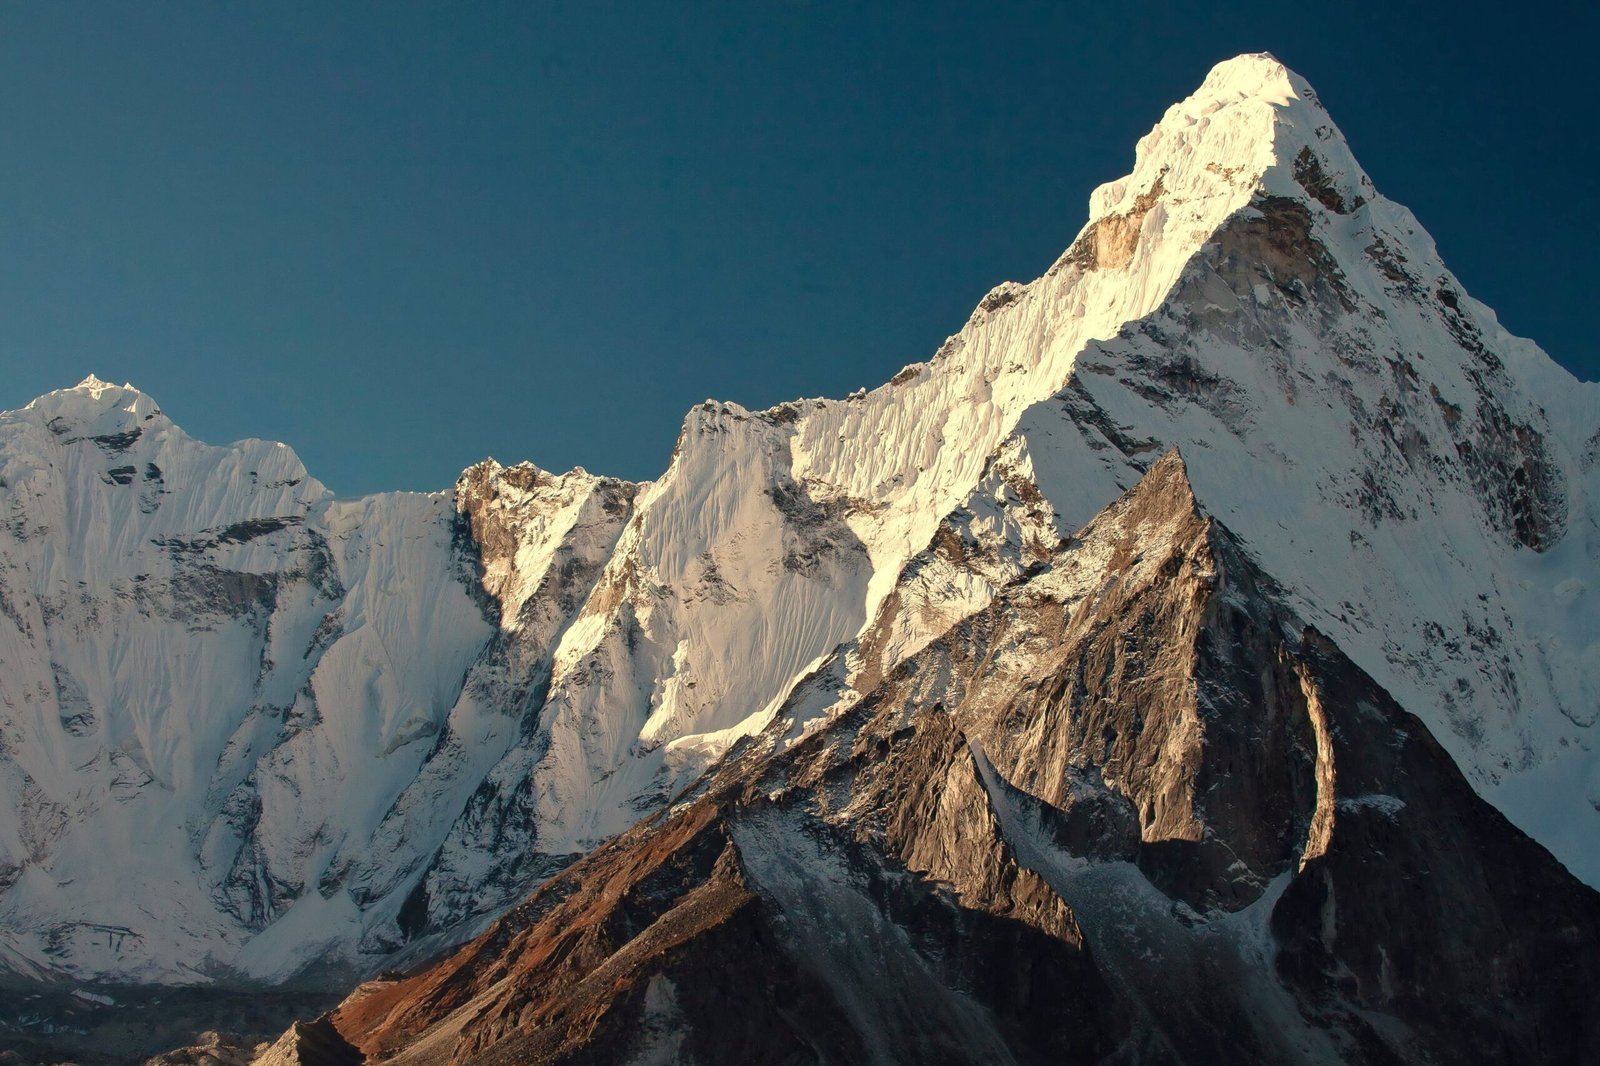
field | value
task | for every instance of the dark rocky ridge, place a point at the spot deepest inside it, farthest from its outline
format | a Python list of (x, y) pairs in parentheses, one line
[(126, 1024), (1132, 811)]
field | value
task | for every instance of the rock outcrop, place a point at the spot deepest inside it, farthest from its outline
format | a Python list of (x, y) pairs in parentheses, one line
[(1134, 810)]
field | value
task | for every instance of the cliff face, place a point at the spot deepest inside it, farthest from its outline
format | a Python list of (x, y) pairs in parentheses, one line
[(333, 737), (1134, 810)]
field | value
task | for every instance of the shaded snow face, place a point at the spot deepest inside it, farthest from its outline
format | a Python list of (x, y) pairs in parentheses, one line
[(344, 729), (238, 712)]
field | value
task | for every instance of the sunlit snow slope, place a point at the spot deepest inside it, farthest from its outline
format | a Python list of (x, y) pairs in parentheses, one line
[(244, 726)]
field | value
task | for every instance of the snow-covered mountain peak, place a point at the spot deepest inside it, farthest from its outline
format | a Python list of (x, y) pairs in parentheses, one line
[(120, 437), (94, 383), (1254, 126), (1254, 75), (96, 408)]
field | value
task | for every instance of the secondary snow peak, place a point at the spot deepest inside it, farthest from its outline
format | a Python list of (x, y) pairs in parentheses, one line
[(94, 407)]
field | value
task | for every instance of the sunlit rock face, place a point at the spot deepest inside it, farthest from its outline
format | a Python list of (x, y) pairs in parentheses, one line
[(249, 731), (1133, 809)]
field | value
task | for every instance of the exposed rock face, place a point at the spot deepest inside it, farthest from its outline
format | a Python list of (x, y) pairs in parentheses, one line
[(213, 1049), (315, 1043), (1426, 904), (1134, 810)]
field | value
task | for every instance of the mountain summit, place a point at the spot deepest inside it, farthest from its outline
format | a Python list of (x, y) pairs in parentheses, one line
[(251, 733)]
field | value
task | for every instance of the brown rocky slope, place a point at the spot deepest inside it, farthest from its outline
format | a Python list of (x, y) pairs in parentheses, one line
[(1131, 811)]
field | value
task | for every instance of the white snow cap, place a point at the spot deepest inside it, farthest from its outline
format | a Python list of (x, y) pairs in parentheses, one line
[(1257, 75), (94, 406), (1252, 125), (96, 385)]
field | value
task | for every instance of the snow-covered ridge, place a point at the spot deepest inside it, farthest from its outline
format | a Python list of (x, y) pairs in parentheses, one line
[(331, 729), (224, 691)]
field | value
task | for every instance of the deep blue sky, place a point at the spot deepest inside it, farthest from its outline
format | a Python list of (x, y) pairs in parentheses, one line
[(401, 237)]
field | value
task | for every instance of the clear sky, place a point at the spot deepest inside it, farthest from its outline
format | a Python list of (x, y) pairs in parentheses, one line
[(404, 236)]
